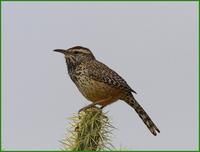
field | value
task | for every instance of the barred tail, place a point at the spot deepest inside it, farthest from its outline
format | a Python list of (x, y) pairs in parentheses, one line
[(130, 100)]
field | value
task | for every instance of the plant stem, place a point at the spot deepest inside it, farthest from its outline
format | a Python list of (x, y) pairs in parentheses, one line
[(91, 130)]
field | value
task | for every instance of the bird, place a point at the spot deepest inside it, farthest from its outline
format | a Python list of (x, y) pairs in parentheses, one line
[(100, 84)]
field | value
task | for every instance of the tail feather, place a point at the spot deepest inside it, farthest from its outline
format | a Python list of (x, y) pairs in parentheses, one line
[(130, 100)]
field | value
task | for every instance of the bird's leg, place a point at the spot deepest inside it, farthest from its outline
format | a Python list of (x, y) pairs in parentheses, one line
[(100, 102), (87, 107)]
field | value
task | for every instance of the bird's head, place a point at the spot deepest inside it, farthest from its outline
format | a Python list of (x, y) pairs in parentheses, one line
[(76, 55)]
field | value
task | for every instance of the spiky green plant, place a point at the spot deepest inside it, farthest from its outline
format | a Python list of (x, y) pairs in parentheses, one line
[(90, 130)]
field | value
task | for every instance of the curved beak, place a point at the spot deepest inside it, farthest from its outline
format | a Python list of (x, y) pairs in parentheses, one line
[(60, 50)]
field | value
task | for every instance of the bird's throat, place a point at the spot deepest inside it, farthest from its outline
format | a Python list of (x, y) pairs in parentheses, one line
[(71, 65)]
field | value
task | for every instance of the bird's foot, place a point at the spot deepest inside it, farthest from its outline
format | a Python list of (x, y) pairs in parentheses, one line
[(88, 106)]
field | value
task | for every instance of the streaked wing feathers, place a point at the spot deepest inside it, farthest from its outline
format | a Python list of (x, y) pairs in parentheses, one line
[(102, 73)]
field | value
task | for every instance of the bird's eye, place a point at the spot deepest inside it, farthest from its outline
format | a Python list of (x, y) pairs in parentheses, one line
[(75, 52)]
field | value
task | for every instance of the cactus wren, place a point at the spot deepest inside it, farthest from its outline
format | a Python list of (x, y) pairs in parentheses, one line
[(100, 84)]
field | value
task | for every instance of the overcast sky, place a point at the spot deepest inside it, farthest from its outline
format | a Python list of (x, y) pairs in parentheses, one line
[(152, 45)]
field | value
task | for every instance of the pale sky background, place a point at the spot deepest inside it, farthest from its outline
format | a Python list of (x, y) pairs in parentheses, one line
[(152, 45)]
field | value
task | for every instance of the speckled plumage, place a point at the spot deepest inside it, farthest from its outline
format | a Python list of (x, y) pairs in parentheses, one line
[(100, 84)]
